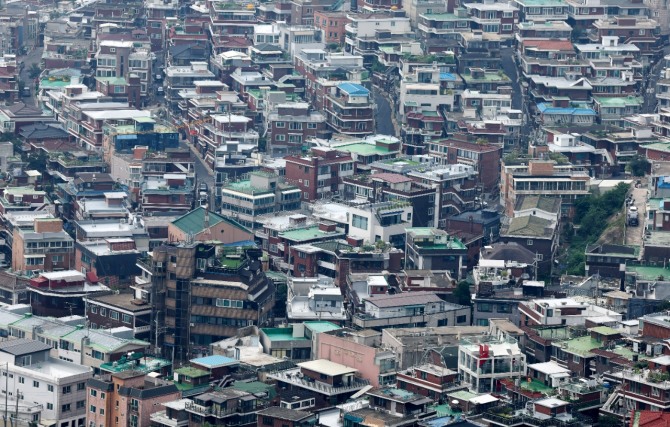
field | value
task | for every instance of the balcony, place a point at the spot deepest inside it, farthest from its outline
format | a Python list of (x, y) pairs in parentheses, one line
[(294, 377)]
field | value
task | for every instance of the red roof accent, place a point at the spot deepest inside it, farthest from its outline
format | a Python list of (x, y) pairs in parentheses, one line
[(563, 45), (651, 419), (92, 277), (393, 178)]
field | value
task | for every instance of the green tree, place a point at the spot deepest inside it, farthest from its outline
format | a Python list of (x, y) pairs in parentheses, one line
[(34, 71), (609, 421), (462, 293), (637, 166)]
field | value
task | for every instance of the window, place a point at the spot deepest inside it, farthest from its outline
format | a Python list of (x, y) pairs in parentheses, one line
[(94, 309), (280, 137), (81, 386), (306, 182), (102, 411), (461, 319), (575, 358), (125, 318), (81, 404), (50, 388), (102, 395), (484, 307), (279, 124), (94, 393), (103, 311), (22, 380), (67, 389), (359, 222), (65, 408), (529, 242), (267, 421), (93, 409), (114, 315), (36, 384), (50, 406)]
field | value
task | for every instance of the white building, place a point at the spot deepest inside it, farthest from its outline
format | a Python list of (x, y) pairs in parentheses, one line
[(59, 387), (561, 311), (311, 298), (482, 364)]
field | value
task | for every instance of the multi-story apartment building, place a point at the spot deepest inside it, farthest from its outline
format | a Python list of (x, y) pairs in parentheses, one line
[(319, 175), (130, 397), (124, 70), (120, 310), (459, 149), (492, 17), (61, 293), (224, 129), (56, 388), (420, 308), (182, 77), (262, 193), (203, 294), (483, 363), (324, 70), (361, 34), (9, 78), (291, 125), (43, 247), (434, 249), (349, 109), (332, 24), (543, 177)]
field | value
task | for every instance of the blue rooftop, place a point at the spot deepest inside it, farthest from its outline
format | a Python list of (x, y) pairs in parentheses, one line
[(545, 109), (663, 182), (353, 89), (242, 244), (215, 361), (448, 76)]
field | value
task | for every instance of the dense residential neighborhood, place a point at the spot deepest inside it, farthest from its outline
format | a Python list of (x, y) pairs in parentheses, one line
[(353, 213)]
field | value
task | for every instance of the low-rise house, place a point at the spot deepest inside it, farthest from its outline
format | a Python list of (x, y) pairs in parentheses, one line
[(410, 309)]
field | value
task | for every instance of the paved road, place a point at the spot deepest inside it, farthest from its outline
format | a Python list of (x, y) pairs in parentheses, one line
[(33, 57), (507, 55), (383, 121), (634, 234)]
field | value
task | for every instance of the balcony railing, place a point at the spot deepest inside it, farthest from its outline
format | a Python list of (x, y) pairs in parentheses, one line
[(294, 377)]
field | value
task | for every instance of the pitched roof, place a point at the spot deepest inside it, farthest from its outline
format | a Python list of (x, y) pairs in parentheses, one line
[(650, 419), (285, 413), (408, 298), (194, 221), (530, 226), (543, 203), (510, 251), (43, 131), (20, 347)]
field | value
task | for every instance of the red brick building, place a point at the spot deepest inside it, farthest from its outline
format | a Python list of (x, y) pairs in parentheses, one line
[(318, 176), (332, 24), (460, 149)]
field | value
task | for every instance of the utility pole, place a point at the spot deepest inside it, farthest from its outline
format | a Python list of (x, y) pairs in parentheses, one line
[(16, 412), (6, 392)]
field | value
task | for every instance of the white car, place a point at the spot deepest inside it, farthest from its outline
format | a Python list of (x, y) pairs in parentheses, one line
[(633, 208)]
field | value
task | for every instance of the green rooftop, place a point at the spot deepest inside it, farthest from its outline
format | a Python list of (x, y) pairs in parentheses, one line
[(645, 272), (487, 76), (147, 365), (194, 221), (657, 146), (444, 17), (244, 186), (555, 333), (306, 234), (445, 410), (605, 330), (582, 346), (191, 372), (536, 386), (321, 326), (364, 149), (281, 334), (117, 81), (462, 395), (48, 84), (621, 101), (255, 387)]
